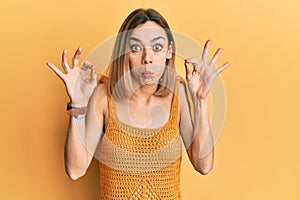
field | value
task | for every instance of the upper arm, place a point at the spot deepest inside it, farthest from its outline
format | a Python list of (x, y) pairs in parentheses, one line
[(94, 121), (185, 122)]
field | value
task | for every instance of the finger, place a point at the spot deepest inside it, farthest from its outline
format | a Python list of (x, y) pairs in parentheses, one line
[(224, 66), (56, 70), (75, 58), (194, 62), (220, 69), (205, 57), (215, 58), (64, 62), (188, 71), (86, 65)]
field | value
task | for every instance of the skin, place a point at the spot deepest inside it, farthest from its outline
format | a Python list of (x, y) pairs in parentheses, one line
[(147, 57), (147, 65), (200, 76), (148, 53)]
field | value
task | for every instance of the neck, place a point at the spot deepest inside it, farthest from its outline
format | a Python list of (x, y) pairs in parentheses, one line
[(144, 93)]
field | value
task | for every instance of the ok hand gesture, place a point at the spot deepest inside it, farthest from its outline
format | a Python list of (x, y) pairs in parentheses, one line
[(200, 76), (78, 84)]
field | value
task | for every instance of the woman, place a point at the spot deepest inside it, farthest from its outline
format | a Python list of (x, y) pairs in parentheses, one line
[(134, 119)]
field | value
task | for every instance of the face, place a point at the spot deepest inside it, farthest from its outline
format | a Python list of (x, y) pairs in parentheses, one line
[(148, 52)]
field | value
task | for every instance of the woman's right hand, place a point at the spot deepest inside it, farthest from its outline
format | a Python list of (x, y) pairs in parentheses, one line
[(78, 84)]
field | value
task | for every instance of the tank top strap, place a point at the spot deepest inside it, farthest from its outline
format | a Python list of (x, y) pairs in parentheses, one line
[(174, 105), (178, 80), (109, 103)]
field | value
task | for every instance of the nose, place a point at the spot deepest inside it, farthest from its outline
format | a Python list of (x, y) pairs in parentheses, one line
[(147, 56)]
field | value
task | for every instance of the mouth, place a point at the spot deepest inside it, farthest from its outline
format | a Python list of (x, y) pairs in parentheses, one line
[(148, 74)]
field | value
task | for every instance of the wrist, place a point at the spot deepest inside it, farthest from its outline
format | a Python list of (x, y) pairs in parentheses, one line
[(77, 105), (197, 99), (71, 110), (200, 103), (78, 116), (71, 105), (203, 101)]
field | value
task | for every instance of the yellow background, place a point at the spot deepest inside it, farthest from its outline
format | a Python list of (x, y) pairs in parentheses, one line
[(257, 155)]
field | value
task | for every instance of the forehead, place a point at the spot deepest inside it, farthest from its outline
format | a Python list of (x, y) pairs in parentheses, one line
[(148, 31)]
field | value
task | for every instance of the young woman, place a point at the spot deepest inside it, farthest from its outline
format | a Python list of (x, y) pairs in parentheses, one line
[(135, 118)]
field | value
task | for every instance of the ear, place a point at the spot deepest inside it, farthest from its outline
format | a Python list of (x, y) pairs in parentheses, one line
[(170, 51)]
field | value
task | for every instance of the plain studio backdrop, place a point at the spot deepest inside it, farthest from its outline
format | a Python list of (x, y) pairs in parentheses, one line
[(257, 154)]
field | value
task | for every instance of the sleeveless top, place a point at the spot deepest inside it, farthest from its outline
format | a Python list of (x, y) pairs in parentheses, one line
[(138, 163)]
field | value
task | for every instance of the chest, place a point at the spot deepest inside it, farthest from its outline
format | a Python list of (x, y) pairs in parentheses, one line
[(142, 115)]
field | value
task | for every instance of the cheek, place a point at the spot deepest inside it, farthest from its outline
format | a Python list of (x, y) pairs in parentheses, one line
[(134, 60), (161, 62), (158, 69), (160, 58)]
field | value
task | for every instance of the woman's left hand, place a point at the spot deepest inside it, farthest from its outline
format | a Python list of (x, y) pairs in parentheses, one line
[(200, 76)]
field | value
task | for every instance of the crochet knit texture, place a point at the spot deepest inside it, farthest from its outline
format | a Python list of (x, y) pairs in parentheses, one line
[(137, 163)]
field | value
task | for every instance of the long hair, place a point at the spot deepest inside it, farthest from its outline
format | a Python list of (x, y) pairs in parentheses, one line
[(119, 64)]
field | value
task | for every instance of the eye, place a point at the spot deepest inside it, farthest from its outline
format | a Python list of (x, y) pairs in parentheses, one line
[(135, 47), (157, 47)]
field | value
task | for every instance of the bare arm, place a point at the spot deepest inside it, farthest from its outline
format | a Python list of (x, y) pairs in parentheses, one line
[(84, 133), (200, 143), (196, 135), (83, 137), (202, 148), (75, 155)]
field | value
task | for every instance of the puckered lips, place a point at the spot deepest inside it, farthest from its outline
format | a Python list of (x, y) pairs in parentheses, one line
[(148, 74)]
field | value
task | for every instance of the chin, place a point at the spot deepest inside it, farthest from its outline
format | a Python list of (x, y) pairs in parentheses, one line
[(149, 81)]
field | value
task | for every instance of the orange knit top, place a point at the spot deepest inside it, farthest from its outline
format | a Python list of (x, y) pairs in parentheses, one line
[(137, 163)]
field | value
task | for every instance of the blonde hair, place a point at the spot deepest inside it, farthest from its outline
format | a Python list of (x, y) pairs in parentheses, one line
[(117, 79)]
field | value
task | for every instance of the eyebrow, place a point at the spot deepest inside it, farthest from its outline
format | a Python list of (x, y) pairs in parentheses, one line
[(154, 39)]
